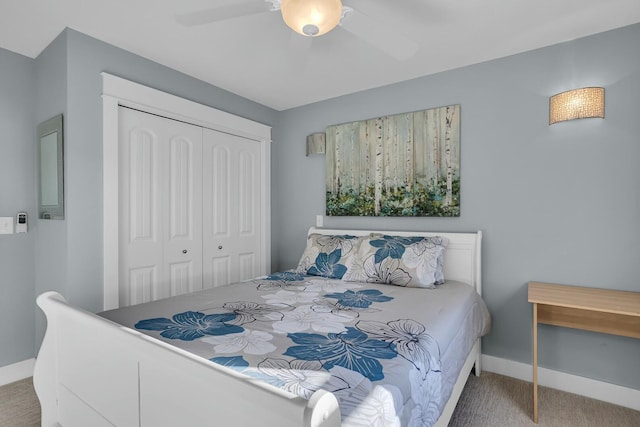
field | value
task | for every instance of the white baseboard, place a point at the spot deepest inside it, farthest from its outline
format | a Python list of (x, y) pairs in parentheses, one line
[(16, 371), (600, 390)]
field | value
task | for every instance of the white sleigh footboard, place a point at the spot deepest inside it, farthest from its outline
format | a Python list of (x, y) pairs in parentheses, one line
[(93, 372)]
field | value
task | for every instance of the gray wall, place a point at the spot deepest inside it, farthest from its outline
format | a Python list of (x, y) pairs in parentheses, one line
[(17, 180), (50, 261), (556, 203)]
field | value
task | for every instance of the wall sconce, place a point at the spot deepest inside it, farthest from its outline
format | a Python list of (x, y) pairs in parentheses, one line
[(576, 104), (316, 143)]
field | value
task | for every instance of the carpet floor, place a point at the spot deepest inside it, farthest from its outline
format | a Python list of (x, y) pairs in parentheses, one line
[(494, 400), (19, 406), (490, 400)]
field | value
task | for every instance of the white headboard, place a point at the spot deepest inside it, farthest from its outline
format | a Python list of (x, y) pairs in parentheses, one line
[(462, 258)]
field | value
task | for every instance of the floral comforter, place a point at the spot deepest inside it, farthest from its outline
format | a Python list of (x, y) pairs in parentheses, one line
[(390, 354)]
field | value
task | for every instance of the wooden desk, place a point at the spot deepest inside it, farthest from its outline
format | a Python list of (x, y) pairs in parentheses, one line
[(591, 309)]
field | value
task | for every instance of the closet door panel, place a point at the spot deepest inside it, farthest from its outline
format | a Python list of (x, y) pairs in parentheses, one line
[(140, 235), (181, 189), (142, 188), (183, 245), (160, 210), (247, 193), (232, 206), (218, 198), (249, 210), (217, 271), (142, 284), (190, 208), (181, 276), (219, 189), (247, 265), (248, 213)]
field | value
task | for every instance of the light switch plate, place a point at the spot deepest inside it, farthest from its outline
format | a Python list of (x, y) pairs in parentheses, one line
[(319, 220), (6, 225)]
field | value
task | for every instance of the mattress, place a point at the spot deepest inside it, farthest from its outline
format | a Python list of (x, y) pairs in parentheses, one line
[(390, 354)]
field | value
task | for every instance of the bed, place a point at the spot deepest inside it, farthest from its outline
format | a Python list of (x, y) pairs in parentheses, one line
[(348, 338)]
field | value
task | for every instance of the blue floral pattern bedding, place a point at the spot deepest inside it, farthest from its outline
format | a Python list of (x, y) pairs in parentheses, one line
[(376, 347)]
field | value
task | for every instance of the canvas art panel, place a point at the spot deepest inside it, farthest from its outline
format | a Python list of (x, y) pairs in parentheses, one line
[(400, 165)]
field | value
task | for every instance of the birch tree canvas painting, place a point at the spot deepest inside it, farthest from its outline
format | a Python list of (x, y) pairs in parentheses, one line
[(401, 165)]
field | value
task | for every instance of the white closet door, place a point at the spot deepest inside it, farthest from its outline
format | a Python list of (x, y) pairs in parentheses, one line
[(160, 207), (232, 210)]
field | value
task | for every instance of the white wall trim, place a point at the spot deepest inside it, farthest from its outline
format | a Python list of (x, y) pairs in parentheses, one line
[(135, 95), (116, 92), (600, 390), (16, 371)]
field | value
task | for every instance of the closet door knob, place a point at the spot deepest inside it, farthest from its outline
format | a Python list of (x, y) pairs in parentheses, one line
[(184, 251), (220, 247)]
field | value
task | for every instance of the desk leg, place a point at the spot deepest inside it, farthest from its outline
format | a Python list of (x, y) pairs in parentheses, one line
[(535, 363)]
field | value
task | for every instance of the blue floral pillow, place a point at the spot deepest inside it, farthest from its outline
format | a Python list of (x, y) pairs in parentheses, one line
[(327, 255), (398, 260)]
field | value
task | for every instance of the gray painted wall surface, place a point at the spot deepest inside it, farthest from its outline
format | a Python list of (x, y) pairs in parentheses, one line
[(50, 261), (556, 203), (17, 179)]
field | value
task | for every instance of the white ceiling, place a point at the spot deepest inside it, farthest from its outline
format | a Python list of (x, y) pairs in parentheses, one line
[(259, 58)]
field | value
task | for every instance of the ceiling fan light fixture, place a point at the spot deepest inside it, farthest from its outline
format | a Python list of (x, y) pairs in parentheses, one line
[(311, 17)]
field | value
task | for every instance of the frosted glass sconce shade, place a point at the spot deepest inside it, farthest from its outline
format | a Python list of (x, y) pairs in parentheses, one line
[(576, 104), (316, 143)]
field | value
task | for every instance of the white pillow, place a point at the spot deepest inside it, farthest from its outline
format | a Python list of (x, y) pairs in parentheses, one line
[(398, 260), (327, 255)]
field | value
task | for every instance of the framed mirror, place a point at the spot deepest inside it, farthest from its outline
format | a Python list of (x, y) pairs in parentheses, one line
[(50, 169)]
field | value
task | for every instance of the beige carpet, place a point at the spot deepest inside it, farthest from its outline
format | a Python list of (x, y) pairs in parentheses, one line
[(19, 406), (489, 401), (495, 401)]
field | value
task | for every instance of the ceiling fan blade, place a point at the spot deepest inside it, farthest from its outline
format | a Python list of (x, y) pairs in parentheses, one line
[(225, 12), (378, 34)]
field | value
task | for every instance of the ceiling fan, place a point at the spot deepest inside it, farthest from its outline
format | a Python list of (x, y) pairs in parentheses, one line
[(314, 18)]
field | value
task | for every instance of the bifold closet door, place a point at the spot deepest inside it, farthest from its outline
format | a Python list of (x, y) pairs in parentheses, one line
[(160, 207), (232, 209)]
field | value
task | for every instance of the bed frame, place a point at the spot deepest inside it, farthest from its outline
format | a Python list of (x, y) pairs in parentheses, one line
[(93, 372)]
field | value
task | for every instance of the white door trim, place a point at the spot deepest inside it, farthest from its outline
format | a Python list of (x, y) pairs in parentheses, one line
[(117, 91)]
